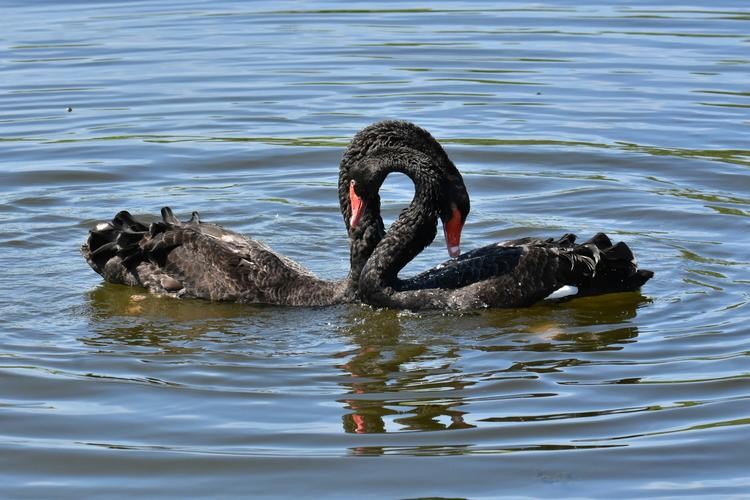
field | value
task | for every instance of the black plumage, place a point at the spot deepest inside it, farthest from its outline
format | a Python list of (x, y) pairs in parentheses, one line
[(195, 259)]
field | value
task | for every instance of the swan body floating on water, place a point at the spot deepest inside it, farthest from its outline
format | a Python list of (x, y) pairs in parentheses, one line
[(195, 259), (516, 273)]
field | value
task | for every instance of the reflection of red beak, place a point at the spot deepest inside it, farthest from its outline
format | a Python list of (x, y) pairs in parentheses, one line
[(452, 230), (358, 206)]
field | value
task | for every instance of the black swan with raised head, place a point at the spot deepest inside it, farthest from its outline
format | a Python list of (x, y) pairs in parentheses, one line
[(199, 260), (511, 274)]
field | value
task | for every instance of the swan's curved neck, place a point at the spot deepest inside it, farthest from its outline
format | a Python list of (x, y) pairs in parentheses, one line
[(414, 230), (362, 241)]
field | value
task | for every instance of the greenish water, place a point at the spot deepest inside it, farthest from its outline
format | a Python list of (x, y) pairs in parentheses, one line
[(624, 117)]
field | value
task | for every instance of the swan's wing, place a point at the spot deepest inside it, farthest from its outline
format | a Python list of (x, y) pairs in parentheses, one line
[(487, 262), (191, 259), (472, 267), (522, 272)]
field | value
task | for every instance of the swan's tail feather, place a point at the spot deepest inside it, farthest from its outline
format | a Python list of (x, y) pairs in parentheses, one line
[(114, 248), (582, 259), (168, 216), (566, 239), (126, 222), (600, 240), (616, 268)]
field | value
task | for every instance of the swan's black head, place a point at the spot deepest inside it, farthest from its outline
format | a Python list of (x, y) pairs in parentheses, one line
[(450, 198)]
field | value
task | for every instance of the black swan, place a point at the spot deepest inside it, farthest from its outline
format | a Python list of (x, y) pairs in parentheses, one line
[(199, 260), (511, 274)]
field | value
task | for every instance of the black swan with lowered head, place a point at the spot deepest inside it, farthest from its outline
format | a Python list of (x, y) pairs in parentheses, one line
[(511, 274), (199, 260)]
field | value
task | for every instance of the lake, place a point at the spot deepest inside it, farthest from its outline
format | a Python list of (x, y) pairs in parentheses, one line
[(621, 117)]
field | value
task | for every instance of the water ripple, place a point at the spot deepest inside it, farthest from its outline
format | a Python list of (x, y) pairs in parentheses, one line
[(629, 119)]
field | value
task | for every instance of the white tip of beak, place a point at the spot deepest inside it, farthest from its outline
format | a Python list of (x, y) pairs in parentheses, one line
[(454, 251)]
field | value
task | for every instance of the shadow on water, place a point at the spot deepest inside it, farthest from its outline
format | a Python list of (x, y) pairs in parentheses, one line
[(580, 325), (406, 372), (131, 316)]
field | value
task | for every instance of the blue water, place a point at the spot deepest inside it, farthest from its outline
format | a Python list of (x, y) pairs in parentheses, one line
[(625, 117)]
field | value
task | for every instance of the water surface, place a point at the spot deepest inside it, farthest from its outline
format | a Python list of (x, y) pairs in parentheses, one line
[(624, 118)]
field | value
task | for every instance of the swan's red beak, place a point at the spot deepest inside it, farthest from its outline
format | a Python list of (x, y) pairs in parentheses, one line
[(452, 230), (358, 206)]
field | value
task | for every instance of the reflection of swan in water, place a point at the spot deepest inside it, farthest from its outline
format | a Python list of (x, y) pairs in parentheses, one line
[(123, 315), (404, 373), (589, 324), (378, 376)]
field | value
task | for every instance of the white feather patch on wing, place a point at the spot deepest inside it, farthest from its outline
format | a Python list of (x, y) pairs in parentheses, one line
[(564, 291)]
